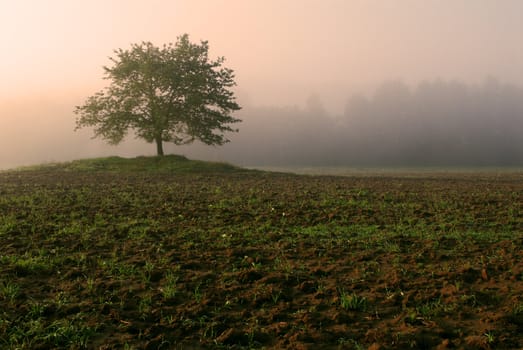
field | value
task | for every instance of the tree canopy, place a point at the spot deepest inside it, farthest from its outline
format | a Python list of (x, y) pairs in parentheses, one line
[(170, 94)]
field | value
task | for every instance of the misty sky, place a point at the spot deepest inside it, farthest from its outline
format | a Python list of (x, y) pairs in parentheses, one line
[(282, 51)]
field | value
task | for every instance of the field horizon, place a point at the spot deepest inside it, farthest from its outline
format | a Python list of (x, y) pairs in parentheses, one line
[(166, 252), (155, 163)]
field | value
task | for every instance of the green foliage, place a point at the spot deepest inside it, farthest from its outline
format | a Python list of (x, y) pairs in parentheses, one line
[(169, 288), (9, 291), (169, 94), (352, 301)]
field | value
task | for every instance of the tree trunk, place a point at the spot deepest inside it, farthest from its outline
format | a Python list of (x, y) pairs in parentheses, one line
[(159, 146)]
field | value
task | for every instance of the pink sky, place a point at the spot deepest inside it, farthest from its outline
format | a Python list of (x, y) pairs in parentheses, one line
[(281, 50)]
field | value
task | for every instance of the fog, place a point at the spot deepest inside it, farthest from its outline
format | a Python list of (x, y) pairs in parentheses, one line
[(338, 82), (435, 123)]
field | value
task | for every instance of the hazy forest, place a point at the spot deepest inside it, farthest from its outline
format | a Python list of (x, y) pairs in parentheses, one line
[(433, 123), (436, 123)]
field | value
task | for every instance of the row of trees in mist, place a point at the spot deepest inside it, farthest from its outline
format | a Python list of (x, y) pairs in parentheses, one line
[(434, 123)]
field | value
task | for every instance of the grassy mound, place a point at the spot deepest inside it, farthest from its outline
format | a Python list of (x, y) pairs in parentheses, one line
[(168, 163)]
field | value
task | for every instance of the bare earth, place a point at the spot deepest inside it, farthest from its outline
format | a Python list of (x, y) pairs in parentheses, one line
[(258, 260)]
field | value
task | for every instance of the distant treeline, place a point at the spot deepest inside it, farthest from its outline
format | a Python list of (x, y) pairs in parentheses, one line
[(435, 123)]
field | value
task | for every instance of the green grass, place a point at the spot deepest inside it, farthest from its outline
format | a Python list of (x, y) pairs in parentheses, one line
[(167, 163), (352, 301)]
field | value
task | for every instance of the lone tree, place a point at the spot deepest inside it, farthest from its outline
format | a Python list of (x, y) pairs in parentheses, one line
[(169, 94)]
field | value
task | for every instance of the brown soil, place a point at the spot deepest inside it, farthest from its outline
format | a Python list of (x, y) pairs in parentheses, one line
[(265, 261)]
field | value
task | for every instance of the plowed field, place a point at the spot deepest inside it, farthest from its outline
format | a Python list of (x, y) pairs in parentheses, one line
[(108, 260)]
